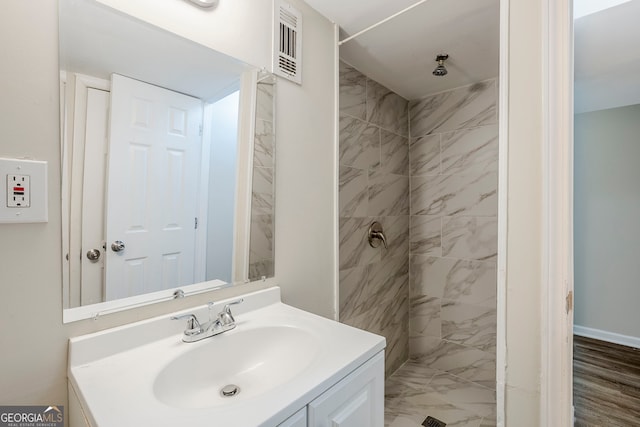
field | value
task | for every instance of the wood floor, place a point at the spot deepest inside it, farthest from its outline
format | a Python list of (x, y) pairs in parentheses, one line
[(606, 384)]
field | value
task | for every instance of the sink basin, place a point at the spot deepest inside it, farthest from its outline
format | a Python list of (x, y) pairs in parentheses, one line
[(281, 358), (255, 360)]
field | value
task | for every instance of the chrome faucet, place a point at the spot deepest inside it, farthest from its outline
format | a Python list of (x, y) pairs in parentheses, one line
[(223, 322)]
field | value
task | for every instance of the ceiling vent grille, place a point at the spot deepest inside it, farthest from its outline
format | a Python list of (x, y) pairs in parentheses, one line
[(288, 42)]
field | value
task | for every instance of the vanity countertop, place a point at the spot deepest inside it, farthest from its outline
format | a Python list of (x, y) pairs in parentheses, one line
[(120, 375)]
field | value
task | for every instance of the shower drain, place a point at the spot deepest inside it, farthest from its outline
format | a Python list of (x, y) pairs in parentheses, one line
[(229, 390), (433, 422)]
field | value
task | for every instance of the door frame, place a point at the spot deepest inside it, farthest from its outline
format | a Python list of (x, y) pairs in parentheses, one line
[(557, 170), (75, 119), (553, 207)]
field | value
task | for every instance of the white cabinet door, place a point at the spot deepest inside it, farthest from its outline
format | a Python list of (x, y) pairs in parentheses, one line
[(356, 401), (299, 419)]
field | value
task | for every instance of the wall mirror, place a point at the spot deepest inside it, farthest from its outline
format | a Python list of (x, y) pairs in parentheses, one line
[(167, 164)]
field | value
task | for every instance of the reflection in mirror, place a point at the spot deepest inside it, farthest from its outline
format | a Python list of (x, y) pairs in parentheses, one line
[(167, 160), (261, 262)]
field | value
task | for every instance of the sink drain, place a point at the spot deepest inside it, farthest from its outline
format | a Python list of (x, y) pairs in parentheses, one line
[(229, 390)]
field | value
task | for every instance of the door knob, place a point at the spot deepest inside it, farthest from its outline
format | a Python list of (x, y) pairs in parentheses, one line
[(93, 255), (117, 246)]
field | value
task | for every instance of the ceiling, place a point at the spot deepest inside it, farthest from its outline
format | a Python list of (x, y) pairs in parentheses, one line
[(400, 53), (607, 58), (96, 40)]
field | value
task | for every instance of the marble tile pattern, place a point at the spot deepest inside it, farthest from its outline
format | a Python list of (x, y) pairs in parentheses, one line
[(353, 92), (260, 269), (462, 361), (261, 258), (374, 186), (262, 191), (375, 298), (397, 232), (359, 143), (470, 237), (453, 164), (394, 150), (432, 183), (264, 101), (472, 150), (424, 155), (263, 144), (386, 108), (353, 246), (426, 235), (388, 194), (354, 194), (261, 238), (261, 246), (469, 194), (469, 324), (463, 108), (416, 391)]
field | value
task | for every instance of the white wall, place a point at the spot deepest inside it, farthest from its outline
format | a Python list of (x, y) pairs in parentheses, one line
[(306, 173), (33, 339), (607, 220)]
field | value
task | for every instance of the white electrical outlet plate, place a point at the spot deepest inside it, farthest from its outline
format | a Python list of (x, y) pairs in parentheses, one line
[(24, 196)]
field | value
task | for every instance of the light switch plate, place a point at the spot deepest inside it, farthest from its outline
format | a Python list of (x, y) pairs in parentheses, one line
[(30, 177)]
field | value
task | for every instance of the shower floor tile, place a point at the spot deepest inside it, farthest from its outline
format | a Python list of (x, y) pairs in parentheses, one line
[(414, 392)]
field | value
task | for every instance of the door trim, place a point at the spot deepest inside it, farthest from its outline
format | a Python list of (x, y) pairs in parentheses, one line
[(552, 397), (78, 86), (503, 186), (244, 177), (556, 400)]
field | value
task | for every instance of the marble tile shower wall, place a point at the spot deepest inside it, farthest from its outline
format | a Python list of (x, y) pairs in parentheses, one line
[(374, 185), (453, 231), (261, 257)]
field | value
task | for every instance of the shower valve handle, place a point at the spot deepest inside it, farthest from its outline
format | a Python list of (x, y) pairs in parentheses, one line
[(376, 235)]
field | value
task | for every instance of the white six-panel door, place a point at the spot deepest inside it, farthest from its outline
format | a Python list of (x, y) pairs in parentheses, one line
[(152, 190)]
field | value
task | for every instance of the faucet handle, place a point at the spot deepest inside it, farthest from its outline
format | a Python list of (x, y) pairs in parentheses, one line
[(226, 317), (193, 326), (210, 305)]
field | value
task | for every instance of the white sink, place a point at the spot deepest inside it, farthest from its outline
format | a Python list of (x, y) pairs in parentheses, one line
[(280, 357), (255, 360)]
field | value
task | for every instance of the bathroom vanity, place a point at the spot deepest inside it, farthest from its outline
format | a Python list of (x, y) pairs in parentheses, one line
[(279, 366)]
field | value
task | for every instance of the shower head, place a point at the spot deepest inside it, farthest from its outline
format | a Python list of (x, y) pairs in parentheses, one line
[(440, 69)]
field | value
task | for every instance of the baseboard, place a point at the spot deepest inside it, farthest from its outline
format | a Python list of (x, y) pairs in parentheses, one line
[(611, 337)]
